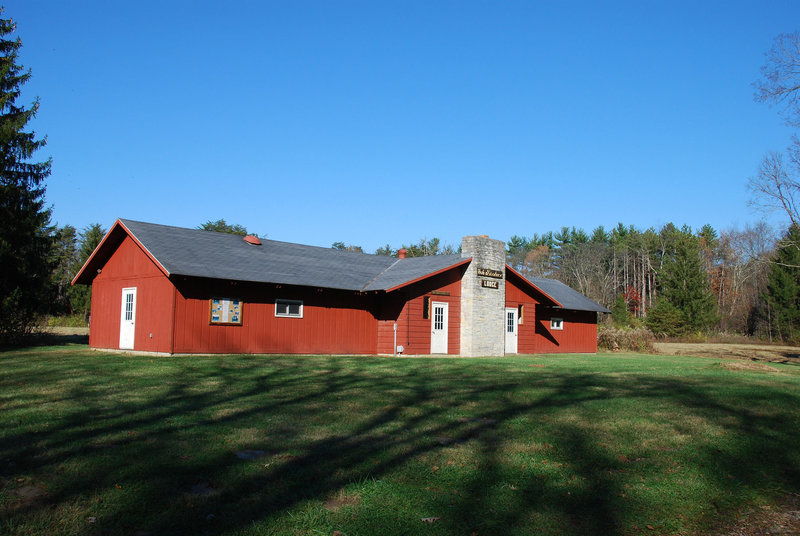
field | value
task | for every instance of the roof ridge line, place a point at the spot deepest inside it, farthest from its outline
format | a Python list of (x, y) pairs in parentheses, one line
[(379, 275)]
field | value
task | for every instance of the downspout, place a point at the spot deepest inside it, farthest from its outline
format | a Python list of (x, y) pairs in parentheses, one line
[(172, 320)]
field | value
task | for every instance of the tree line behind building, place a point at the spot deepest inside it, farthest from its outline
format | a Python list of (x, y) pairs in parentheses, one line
[(675, 281)]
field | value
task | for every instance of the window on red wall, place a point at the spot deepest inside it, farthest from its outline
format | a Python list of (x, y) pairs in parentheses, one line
[(289, 308)]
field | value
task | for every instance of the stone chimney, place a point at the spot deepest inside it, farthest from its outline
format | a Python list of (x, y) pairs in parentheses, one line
[(483, 297)]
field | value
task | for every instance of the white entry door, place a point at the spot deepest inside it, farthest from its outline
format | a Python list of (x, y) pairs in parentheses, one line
[(439, 328), (511, 331), (127, 318)]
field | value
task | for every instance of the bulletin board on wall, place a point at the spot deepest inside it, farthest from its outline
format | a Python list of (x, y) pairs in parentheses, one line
[(225, 312)]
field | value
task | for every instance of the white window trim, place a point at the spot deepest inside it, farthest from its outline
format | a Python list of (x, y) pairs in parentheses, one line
[(279, 315), (557, 323)]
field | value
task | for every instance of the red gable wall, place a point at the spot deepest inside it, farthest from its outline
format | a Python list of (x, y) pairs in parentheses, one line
[(405, 306), (129, 266)]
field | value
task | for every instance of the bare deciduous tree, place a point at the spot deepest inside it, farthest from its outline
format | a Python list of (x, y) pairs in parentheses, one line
[(745, 256), (776, 187), (780, 82)]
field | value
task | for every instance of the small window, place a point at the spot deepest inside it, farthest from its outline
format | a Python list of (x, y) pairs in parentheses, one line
[(129, 306), (520, 310), (289, 308), (426, 307), (438, 317), (556, 323)]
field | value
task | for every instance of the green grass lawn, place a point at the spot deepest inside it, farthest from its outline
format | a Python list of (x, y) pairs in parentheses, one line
[(94, 443)]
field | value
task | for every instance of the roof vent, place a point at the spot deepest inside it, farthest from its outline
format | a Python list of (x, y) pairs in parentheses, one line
[(252, 239), (401, 253)]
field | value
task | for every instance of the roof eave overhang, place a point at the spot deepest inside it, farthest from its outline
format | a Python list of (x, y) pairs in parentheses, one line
[(426, 276), (603, 310), (537, 289)]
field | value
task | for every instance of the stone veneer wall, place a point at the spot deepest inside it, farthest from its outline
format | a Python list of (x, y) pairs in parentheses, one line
[(483, 309)]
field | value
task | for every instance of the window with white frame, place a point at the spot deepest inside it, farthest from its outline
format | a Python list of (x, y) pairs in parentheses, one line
[(289, 308), (556, 323)]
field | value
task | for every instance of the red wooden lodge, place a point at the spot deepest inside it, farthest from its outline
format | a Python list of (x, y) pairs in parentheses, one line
[(171, 290)]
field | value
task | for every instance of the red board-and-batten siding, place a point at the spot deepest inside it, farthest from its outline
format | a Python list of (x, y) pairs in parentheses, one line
[(333, 321), (172, 316), (406, 306), (534, 335), (128, 267)]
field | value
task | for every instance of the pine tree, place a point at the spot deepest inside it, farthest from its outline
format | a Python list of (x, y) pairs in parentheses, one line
[(64, 257), (783, 289), (665, 319), (221, 226), (80, 296), (25, 233), (685, 282), (619, 311)]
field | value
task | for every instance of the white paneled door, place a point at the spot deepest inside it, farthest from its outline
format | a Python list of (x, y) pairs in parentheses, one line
[(511, 331), (439, 328), (127, 322)]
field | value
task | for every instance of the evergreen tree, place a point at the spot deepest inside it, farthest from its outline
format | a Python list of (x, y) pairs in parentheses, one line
[(517, 248), (25, 232), (619, 311), (386, 251), (425, 248), (783, 289), (599, 235), (665, 319), (341, 246), (221, 226), (80, 296), (64, 257), (685, 282)]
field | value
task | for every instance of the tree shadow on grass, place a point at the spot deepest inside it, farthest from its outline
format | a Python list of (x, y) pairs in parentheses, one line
[(483, 449)]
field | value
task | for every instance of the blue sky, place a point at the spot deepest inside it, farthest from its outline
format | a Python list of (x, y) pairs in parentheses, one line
[(384, 122)]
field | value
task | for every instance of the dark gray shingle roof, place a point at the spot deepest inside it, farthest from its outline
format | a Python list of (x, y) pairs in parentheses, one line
[(566, 296), (196, 253), (411, 269), (192, 252)]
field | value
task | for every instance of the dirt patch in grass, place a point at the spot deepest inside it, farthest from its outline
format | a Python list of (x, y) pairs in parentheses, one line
[(201, 488), (26, 495), (748, 352), (340, 500), (747, 365), (768, 520), (29, 492)]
